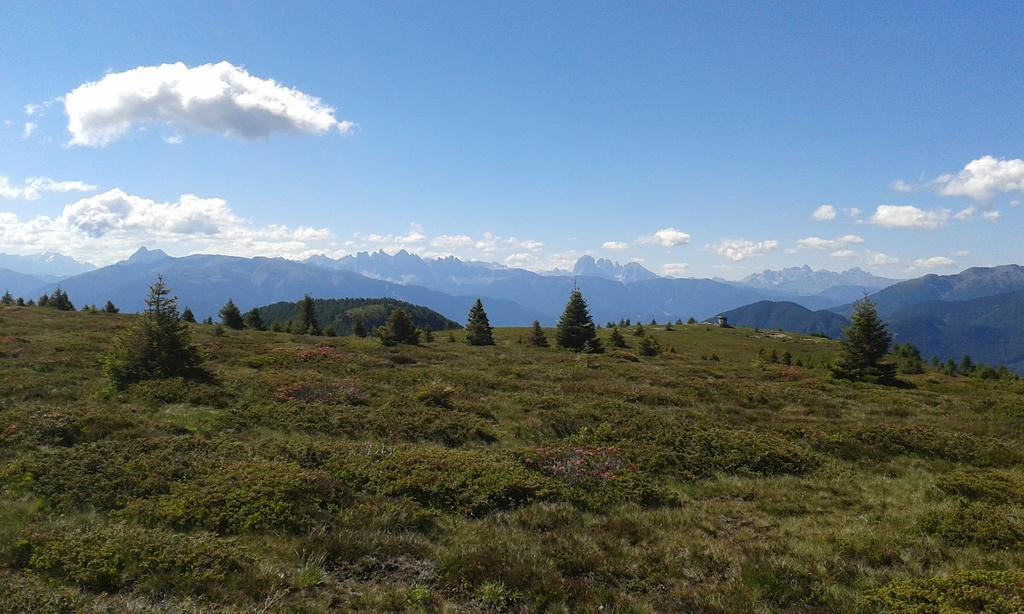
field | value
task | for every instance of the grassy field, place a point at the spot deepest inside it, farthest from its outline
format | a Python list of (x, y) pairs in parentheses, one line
[(319, 474)]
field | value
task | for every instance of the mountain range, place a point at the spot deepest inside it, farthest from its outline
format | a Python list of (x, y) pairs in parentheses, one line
[(973, 312)]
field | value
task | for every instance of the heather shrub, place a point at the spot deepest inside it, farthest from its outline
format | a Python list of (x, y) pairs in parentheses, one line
[(996, 592)]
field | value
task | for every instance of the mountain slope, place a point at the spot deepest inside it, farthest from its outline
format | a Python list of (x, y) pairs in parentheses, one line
[(970, 284), (205, 282), (805, 280), (608, 269), (339, 314), (787, 316), (21, 284), (47, 265), (989, 329)]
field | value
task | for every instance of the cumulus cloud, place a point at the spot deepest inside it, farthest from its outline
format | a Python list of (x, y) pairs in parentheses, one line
[(666, 237), (844, 253), (451, 243), (528, 245), (935, 262), (35, 187), (741, 249), (902, 186), (817, 243), (881, 259), (674, 269), (109, 226), (824, 213), (614, 246), (28, 130), (219, 98), (983, 178), (908, 216)]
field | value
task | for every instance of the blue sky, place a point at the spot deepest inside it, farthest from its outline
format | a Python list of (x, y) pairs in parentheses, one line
[(699, 139)]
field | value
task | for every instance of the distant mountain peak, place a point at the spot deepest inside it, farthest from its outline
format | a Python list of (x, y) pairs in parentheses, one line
[(146, 256), (608, 269), (805, 280)]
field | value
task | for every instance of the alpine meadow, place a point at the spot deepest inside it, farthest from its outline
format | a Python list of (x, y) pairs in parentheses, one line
[(533, 307)]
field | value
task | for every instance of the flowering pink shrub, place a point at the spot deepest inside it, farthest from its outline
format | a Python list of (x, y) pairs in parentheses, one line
[(319, 392)]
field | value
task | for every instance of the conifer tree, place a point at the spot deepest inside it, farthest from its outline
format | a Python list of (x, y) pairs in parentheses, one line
[(399, 329), (231, 317), (157, 345), (7, 299), (20, 302), (575, 327), (692, 320), (188, 316), (43, 300), (616, 338), (639, 331), (306, 322), (110, 307), (966, 365), (649, 346), (253, 320), (866, 342), (59, 300), (427, 334), (537, 336), (358, 325), (478, 327)]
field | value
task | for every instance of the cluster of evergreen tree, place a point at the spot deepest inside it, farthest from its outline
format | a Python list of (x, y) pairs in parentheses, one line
[(58, 299)]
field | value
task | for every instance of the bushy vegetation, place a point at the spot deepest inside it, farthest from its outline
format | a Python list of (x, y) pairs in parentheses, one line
[(315, 473), (351, 316)]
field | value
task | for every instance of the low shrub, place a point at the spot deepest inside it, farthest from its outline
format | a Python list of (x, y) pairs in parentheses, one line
[(886, 440), (27, 592), (245, 496), (320, 392), (992, 486), (437, 394), (110, 557), (984, 524), (965, 591)]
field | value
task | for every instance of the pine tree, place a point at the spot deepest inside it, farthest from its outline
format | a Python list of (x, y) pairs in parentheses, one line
[(110, 307), (478, 327), (575, 327), (866, 342), (305, 321), (7, 299), (692, 320), (253, 320), (616, 338), (157, 345), (20, 302), (649, 346), (399, 329), (537, 337), (427, 334), (358, 325), (188, 316), (43, 300), (231, 317), (639, 331), (59, 300), (966, 365)]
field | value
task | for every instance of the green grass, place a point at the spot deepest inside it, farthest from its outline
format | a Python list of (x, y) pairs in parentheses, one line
[(332, 473)]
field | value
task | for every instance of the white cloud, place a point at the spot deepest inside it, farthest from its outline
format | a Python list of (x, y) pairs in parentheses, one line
[(109, 226), (908, 216), (521, 260), (818, 243), (666, 237), (27, 131), (614, 246), (991, 215), (34, 188), (219, 98), (902, 186), (527, 245), (983, 178), (675, 269), (741, 249), (844, 253), (935, 262), (451, 242), (488, 244), (824, 213), (965, 213), (31, 109), (881, 259)]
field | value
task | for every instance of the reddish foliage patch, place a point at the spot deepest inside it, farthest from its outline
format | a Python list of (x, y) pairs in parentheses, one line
[(320, 353), (581, 463), (792, 374), (12, 340), (320, 392)]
